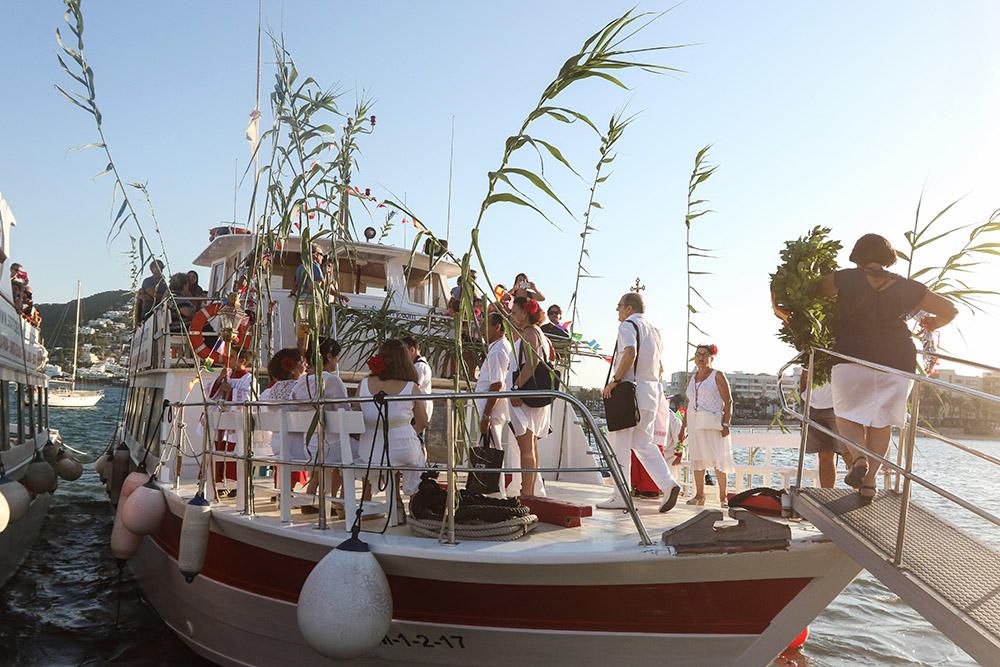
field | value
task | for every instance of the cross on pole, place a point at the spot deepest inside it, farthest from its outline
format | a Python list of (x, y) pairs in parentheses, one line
[(638, 287)]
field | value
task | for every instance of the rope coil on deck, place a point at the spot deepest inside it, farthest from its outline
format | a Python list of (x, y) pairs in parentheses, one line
[(504, 531)]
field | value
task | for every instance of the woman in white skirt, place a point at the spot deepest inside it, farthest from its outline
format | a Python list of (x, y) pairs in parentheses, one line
[(706, 425), (872, 308), (529, 423), (392, 372)]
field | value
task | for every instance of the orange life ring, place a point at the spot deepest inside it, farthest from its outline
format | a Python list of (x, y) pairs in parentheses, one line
[(196, 334)]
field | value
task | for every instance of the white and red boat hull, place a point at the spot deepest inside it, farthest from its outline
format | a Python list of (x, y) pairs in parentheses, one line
[(643, 606)]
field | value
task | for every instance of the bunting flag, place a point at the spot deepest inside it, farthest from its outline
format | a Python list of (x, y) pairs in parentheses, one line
[(253, 131)]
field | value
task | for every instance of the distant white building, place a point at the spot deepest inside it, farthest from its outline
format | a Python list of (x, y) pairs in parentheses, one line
[(52, 370), (88, 331), (746, 386)]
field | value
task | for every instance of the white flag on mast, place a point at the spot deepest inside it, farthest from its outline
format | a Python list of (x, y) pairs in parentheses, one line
[(253, 131)]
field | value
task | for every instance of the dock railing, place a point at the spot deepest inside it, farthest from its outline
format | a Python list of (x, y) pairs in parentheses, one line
[(902, 467), (325, 417)]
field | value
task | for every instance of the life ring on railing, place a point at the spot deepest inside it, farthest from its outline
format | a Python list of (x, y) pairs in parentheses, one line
[(196, 334)]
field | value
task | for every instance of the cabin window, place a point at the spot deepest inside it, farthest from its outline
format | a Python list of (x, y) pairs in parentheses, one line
[(19, 401), (133, 427), (32, 426), (417, 286), (370, 278), (143, 424), (40, 406), (153, 421), (4, 414), (216, 279), (45, 412), (439, 291)]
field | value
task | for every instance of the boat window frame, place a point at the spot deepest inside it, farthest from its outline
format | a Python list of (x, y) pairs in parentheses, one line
[(32, 430), (145, 415), (156, 398), (137, 394), (44, 392), (19, 399), (5, 410), (39, 404)]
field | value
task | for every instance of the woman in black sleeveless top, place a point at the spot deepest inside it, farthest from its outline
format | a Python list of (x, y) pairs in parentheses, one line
[(873, 306)]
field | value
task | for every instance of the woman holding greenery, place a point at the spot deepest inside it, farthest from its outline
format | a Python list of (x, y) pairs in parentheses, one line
[(872, 308), (529, 423)]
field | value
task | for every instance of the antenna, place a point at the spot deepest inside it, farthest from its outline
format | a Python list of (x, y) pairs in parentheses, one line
[(451, 164)]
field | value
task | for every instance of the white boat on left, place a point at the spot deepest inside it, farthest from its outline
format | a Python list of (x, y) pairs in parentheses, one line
[(29, 451)]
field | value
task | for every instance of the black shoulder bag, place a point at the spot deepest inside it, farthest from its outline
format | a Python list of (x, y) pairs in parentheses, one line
[(544, 378), (484, 456), (622, 409)]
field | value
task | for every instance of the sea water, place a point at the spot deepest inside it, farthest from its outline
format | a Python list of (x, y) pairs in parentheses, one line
[(70, 605)]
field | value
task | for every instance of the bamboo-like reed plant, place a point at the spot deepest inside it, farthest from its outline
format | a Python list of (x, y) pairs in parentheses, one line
[(605, 159), (951, 279), (701, 172)]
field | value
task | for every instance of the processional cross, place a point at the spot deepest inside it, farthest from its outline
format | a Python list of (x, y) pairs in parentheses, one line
[(638, 287)]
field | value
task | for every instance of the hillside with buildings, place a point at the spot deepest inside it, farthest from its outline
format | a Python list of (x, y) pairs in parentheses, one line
[(105, 331)]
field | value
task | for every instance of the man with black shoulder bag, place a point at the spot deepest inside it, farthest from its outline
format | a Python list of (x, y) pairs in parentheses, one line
[(631, 396)]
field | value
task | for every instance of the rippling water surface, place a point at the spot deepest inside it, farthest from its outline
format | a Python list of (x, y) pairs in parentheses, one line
[(67, 606)]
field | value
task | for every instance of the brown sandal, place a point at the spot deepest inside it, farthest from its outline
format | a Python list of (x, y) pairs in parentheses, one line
[(864, 495), (856, 475)]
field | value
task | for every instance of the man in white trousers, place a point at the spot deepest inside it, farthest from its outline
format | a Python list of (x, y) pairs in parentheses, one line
[(636, 336)]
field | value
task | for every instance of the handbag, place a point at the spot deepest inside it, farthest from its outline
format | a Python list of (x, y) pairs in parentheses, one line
[(703, 420), (544, 378), (485, 455), (621, 409)]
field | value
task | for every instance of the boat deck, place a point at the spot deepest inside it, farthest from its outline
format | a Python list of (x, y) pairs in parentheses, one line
[(606, 531)]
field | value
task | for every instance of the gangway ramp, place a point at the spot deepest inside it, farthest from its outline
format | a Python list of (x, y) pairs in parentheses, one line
[(945, 574)]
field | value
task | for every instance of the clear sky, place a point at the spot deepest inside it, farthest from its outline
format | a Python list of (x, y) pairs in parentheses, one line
[(834, 113)]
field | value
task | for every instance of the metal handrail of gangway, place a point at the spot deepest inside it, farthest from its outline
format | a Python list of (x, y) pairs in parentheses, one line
[(611, 464), (968, 612)]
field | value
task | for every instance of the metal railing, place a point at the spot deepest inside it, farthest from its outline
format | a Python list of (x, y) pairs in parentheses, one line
[(451, 469), (903, 466)]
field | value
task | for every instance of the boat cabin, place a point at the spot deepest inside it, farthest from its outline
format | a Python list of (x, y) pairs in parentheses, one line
[(373, 276)]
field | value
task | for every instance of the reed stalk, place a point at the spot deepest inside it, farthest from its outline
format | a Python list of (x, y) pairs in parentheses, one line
[(702, 171)]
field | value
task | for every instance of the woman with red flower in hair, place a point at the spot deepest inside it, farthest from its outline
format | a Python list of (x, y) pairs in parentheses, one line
[(706, 420), (285, 369), (235, 384), (529, 423), (393, 372)]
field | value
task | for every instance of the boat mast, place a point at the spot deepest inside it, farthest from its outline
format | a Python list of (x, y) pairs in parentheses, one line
[(76, 337)]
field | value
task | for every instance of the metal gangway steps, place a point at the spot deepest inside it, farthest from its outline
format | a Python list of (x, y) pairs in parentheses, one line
[(947, 575)]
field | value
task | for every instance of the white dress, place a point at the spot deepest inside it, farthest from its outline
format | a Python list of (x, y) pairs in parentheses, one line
[(404, 445), (707, 449), (292, 447), (333, 387), (869, 397), (522, 417)]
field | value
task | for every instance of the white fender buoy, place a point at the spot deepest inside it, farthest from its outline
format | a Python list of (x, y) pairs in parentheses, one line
[(124, 543), (195, 529), (345, 607), (50, 452), (17, 497), (143, 510), (68, 468), (131, 483), (103, 467), (4, 513), (119, 471), (39, 477)]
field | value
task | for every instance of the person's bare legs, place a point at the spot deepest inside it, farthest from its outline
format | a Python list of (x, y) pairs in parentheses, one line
[(526, 443), (699, 484), (854, 432), (722, 479), (827, 469), (878, 442)]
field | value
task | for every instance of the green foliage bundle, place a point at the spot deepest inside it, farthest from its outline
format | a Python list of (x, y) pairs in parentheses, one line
[(794, 285)]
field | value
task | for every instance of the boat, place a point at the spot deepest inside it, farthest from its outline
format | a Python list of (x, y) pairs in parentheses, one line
[(24, 430), (72, 397), (623, 584)]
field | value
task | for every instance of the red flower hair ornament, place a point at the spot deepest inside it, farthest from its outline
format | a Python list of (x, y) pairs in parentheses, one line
[(531, 307), (714, 349), (376, 364)]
